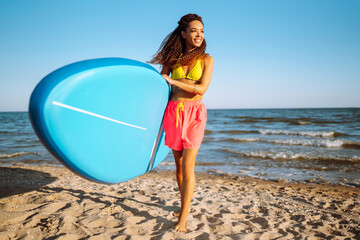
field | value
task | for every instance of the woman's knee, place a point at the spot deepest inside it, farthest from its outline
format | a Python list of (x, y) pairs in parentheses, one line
[(188, 172)]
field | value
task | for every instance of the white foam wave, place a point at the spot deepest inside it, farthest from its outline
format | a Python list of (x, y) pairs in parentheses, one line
[(15, 155), (167, 163), (245, 139), (311, 143), (294, 156), (303, 122), (327, 143), (298, 133)]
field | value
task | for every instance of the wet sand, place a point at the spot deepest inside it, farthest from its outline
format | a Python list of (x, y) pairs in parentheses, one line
[(50, 202)]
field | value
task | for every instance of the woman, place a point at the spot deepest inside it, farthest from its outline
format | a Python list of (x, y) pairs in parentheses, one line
[(182, 54)]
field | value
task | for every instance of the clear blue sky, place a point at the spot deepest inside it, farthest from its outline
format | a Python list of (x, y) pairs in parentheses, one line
[(268, 54)]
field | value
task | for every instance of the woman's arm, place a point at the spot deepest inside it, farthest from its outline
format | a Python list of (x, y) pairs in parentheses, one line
[(204, 81)]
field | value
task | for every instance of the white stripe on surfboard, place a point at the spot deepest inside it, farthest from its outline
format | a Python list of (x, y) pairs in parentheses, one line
[(94, 114)]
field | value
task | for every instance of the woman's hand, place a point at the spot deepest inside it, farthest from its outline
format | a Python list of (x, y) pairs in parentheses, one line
[(168, 79)]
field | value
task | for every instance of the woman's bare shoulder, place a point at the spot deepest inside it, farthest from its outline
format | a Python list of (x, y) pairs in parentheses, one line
[(208, 59)]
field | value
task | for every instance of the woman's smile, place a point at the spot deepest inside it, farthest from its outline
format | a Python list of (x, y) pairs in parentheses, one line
[(198, 41)]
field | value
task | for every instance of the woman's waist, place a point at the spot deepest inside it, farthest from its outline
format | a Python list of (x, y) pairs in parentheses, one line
[(186, 102), (181, 95), (186, 99)]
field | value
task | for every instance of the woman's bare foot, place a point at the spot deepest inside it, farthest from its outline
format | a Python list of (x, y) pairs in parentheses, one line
[(181, 225), (177, 214)]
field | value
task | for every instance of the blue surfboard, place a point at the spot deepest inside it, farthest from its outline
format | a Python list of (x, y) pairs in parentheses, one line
[(102, 118)]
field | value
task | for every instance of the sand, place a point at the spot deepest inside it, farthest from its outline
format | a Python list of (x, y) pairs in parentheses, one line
[(50, 202)]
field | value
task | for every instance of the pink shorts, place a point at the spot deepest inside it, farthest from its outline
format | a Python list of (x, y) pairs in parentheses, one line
[(184, 124)]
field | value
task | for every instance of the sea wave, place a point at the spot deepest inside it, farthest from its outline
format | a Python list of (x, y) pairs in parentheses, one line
[(6, 132), (17, 154), (172, 163), (293, 121), (208, 131), (238, 131), (339, 143), (327, 143), (325, 134), (24, 146), (243, 140), (295, 156)]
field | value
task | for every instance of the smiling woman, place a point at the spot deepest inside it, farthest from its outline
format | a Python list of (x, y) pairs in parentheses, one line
[(182, 54)]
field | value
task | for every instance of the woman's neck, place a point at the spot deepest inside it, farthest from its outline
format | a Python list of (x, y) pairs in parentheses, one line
[(189, 49)]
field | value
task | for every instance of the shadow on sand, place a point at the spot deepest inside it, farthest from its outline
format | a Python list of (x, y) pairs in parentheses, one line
[(19, 180), (15, 180)]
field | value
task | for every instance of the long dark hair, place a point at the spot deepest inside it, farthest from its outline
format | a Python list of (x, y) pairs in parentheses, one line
[(174, 45)]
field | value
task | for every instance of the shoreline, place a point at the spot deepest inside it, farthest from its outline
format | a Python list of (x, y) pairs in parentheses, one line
[(43, 201), (203, 167)]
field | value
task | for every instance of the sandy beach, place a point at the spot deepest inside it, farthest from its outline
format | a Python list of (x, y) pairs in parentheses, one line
[(50, 202)]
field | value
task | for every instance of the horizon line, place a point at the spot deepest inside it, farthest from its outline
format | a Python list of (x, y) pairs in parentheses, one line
[(230, 108)]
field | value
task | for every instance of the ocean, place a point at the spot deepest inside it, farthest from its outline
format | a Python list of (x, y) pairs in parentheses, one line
[(290, 144)]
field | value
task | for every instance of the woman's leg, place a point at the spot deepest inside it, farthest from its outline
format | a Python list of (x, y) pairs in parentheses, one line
[(178, 155), (187, 186), (179, 175)]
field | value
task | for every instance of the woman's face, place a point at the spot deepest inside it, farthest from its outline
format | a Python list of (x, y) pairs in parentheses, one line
[(194, 34)]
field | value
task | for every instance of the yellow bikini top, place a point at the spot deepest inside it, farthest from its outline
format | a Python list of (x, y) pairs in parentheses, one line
[(194, 74)]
